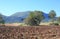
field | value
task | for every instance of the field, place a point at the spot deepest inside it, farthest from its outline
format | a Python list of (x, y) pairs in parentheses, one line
[(30, 32)]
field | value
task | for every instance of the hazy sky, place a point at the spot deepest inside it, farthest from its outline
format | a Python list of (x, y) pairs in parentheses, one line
[(8, 7)]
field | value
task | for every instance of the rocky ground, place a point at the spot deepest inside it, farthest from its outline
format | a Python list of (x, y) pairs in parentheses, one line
[(30, 32)]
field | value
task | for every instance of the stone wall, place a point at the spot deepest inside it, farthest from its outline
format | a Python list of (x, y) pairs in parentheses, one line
[(29, 32)]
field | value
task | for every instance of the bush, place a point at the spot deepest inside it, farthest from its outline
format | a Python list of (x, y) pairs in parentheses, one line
[(54, 23), (34, 18)]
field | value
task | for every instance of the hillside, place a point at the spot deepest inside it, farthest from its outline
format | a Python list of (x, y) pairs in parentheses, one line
[(20, 16)]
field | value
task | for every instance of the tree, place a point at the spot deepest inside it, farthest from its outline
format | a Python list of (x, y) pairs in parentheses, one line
[(1, 19), (52, 15), (34, 18), (58, 19)]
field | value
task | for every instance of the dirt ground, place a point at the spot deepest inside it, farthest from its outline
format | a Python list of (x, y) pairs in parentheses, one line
[(30, 32)]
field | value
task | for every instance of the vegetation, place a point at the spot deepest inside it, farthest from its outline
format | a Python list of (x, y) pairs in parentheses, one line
[(1, 19), (54, 23), (52, 15), (34, 18), (58, 19)]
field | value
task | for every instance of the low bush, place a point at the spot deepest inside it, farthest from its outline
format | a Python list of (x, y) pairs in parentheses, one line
[(54, 23)]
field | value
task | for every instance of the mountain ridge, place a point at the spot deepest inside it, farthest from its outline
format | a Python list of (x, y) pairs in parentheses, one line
[(20, 16)]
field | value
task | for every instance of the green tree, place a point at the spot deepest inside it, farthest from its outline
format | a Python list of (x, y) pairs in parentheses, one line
[(58, 19), (1, 19), (52, 15), (34, 18)]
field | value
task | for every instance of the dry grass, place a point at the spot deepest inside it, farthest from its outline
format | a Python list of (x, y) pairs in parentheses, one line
[(45, 23), (22, 24), (13, 24)]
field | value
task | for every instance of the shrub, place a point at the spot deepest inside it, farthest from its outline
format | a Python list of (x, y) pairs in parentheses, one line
[(54, 23), (34, 18)]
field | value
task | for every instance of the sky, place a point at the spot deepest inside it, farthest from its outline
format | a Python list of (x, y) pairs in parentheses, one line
[(9, 7)]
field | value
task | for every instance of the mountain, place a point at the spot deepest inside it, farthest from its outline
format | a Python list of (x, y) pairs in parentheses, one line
[(20, 16)]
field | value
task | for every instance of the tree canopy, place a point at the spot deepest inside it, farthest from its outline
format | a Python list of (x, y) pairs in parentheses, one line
[(52, 14), (34, 18)]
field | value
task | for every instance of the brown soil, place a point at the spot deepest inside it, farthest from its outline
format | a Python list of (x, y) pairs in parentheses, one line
[(30, 32)]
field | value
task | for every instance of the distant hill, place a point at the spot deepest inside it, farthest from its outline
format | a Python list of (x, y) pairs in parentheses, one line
[(20, 16)]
